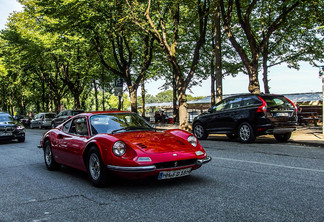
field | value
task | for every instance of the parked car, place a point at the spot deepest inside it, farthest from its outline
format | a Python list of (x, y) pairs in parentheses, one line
[(42, 120), (122, 143), (26, 121), (248, 116), (63, 116), (11, 129)]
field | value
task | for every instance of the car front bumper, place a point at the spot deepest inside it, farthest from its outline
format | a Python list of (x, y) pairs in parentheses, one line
[(152, 168)]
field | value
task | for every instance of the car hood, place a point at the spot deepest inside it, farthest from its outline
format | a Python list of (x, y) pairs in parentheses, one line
[(8, 124), (156, 142)]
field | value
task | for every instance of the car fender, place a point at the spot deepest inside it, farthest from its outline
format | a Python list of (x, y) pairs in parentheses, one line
[(104, 143)]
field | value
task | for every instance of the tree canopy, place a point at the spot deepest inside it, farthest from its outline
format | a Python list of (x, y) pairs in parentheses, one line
[(69, 52)]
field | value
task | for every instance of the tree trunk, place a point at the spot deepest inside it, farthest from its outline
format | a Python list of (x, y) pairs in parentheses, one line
[(183, 107), (76, 97), (96, 94), (143, 96), (254, 86), (218, 54), (212, 83), (174, 100), (265, 70), (133, 98)]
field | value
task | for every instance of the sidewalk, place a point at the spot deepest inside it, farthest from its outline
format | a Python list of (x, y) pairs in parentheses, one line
[(308, 135), (304, 135)]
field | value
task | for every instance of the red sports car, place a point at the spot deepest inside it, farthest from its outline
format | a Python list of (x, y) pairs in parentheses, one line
[(122, 143)]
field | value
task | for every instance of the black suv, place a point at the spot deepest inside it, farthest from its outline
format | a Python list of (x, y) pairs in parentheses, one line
[(64, 115), (247, 116)]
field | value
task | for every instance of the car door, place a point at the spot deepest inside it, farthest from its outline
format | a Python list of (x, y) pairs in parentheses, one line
[(37, 121), (225, 115), (74, 141), (213, 120)]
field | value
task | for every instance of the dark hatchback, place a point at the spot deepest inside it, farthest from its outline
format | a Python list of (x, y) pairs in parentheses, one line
[(11, 129), (248, 116)]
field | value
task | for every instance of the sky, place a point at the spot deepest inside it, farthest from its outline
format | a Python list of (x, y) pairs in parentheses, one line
[(282, 79)]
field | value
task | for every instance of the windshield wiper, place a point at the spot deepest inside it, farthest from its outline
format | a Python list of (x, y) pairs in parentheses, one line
[(131, 128)]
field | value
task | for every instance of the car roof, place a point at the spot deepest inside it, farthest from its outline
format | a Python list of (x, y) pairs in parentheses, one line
[(251, 94), (91, 113)]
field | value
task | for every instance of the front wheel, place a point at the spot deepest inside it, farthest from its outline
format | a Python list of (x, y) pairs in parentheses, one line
[(49, 158), (245, 133), (97, 171), (21, 139), (199, 131), (282, 137)]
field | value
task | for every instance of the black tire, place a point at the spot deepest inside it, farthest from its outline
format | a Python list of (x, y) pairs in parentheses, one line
[(199, 131), (231, 136), (97, 171), (246, 133), (21, 139), (49, 158), (282, 137)]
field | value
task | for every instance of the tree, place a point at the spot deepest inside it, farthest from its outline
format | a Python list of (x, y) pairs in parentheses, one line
[(248, 40), (162, 21)]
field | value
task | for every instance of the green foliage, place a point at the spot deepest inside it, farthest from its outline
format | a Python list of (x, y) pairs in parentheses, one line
[(53, 51)]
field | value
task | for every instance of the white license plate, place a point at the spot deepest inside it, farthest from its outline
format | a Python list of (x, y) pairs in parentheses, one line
[(282, 114), (174, 173), (5, 134)]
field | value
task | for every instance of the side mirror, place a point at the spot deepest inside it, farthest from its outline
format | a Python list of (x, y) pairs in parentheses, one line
[(210, 110)]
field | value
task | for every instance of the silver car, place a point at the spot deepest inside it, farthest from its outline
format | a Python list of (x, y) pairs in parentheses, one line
[(42, 120)]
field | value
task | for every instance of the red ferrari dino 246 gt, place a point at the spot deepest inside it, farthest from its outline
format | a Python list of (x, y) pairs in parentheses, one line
[(122, 143)]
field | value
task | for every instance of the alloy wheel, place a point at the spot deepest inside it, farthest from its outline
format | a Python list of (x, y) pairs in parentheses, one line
[(94, 166)]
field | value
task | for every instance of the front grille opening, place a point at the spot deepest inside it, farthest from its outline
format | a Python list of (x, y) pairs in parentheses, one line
[(173, 164), (7, 129)]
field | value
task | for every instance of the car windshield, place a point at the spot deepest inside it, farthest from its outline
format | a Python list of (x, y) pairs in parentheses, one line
[(118, 122), (5, 118)]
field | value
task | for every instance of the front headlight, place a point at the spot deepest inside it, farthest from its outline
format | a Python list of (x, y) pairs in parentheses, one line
[(193, 140), (20, 128), (119, 148)]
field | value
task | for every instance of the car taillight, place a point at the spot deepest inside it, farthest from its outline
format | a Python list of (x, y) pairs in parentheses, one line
[(295, 108), (69, 117), (263, 107)]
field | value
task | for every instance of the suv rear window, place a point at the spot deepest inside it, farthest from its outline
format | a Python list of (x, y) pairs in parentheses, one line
[(277, 101)]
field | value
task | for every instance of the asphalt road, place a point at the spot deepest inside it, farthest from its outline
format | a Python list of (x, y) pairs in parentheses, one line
[(264, 181)]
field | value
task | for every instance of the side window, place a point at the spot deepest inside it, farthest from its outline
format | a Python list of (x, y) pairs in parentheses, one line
[(220, 106), (250, 101), (79, 127), (66, 127), (234, 103)]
